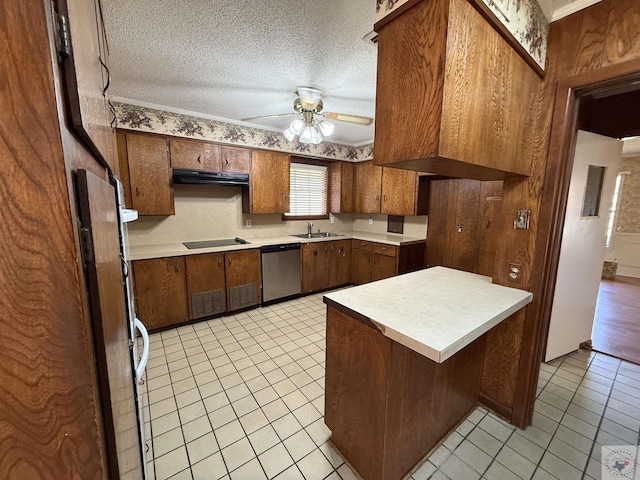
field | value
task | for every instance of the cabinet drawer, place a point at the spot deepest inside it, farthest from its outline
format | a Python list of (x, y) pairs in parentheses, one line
[(382, 249), (362, 245)]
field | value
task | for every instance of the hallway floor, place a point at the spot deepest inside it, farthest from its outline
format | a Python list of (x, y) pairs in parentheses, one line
[(616, 326), (241, 397)]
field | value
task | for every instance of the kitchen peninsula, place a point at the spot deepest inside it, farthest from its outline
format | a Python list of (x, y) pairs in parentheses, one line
[(404, 363)]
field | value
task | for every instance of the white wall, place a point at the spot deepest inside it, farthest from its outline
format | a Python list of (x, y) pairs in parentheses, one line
[(205, 212)]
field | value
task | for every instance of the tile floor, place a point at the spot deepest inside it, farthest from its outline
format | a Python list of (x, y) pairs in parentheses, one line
[(241, 398)]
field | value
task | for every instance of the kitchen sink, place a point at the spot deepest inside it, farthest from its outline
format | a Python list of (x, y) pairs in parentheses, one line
[(318, 235)]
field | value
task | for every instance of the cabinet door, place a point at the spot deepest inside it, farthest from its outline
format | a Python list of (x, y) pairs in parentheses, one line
[(269, 183), (341, 187), (367, 180), (194, 155), (383, 267), (243, 278), (314, 266), (149, 174), (398, 191), (361, 266), (206, 285), (235, 160), (161, 292), (339, 263)]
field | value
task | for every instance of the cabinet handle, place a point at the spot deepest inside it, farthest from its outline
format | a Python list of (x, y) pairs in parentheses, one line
[(220, 262), (199, 159), (229, 261), (176, 269), (315, 251), (226, 160), (137, 192), (341, 250)]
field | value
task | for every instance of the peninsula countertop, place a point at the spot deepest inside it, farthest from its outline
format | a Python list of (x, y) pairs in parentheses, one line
[(143, 252), (435, 312)]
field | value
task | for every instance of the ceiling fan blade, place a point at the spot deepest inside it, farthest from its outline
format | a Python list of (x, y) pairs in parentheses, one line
[(343, 117), (268, 116)]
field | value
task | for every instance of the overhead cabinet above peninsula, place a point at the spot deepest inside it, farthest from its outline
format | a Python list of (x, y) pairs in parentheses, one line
[(453, 98)]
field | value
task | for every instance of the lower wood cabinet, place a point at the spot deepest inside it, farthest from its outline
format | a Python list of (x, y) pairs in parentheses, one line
[(375, 261), (206, 285), (244, 278), (161, 291), (325, 265), (171, 291)]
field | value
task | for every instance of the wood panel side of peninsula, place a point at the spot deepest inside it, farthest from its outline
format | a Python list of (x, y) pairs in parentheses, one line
[(386, 405)]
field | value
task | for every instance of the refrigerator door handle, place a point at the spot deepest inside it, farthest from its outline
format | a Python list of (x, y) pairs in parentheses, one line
[(145, 349)]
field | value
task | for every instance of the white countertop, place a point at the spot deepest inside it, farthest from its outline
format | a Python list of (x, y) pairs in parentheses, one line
[(435, 312), (143, 252)]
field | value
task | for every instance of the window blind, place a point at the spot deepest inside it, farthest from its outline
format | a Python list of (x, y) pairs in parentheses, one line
[(308, 190)]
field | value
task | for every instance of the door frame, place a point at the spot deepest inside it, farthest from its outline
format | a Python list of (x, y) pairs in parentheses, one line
[(569, 92)]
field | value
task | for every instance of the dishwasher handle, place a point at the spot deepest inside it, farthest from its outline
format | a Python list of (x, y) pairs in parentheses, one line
[(280, 248)]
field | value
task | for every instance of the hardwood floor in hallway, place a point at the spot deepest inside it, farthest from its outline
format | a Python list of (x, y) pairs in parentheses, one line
[(616, 327)]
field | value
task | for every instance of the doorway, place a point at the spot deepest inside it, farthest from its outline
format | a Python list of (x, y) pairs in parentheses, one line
[(608, 109)]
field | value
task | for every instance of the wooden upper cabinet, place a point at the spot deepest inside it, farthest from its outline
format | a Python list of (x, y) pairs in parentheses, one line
[(268, 190), (194, 155), (367, 181), (475, 95), (235, 160), (404, 192), (147, 161), (341, 187)]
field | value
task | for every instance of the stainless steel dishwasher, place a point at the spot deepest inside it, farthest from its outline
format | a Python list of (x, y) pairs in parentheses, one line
[(280, 272)]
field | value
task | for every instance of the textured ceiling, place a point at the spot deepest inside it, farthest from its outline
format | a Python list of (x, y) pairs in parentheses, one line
[(242, 58), (233, 59)]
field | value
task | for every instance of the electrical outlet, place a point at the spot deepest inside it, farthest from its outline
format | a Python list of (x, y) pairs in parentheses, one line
[(248, 222), (514, 271), (522, 220), (371, 221), (332, 219)]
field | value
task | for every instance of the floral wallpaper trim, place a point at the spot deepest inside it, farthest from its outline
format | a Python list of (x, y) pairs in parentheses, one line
[(523, 18), (133, 117)]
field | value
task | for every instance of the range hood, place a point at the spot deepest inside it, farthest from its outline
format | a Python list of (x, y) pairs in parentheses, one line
[(210, 178)]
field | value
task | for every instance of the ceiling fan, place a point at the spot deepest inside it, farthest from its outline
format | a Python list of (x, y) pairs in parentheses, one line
[(308, 105)]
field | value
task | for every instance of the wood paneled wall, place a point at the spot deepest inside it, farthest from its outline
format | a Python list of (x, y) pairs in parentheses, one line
[(463, 216), (49, 408), (598, 42)]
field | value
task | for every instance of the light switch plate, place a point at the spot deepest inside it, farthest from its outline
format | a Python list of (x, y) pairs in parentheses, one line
[(522, 220)]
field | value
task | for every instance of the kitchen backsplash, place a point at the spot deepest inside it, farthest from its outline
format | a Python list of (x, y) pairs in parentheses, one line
[(134, 117), (214, 212)]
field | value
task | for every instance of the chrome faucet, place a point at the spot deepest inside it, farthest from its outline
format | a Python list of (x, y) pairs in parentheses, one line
[(309, 226)]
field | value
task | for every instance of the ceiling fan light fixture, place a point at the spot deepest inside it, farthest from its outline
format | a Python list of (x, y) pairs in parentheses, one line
[(297, 126), (310, 135), (289, 134), (326, 128)]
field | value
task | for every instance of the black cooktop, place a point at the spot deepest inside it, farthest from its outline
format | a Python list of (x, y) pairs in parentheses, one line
[(214, 243)]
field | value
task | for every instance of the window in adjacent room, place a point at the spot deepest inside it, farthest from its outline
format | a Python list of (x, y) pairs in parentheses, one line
[(615, 204), (308, 191)]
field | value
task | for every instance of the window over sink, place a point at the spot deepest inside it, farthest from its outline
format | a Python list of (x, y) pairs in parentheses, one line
[(308, 191)]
